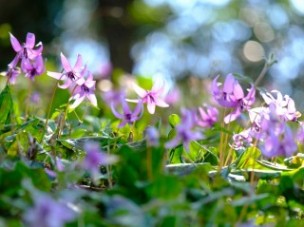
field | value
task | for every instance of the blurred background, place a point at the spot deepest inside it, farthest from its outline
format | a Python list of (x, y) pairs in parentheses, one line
[(177, 38)]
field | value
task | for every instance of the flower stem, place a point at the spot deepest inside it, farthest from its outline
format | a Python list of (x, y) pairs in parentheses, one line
[(49, 110), (149, 163), (262, 74)]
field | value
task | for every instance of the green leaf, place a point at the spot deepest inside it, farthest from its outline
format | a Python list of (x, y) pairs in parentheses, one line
[(6, 106)]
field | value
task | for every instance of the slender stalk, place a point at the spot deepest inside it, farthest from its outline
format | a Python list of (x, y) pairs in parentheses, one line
[(49, 110), (262, 74), (109, 169), (149, 163), (28, 100)]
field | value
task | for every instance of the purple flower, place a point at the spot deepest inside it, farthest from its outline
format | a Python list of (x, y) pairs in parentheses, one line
[(33, 68), (184, 131), (173, 96), (151, 97), (231, 92), (47, 212), (232, 96), (152, 136), (207, 116), (58, 166), (70, 75), (113, 97), (279, 144), (127, 117), (13, 72), (35, 98), (86, 89), (95, 158), (284, 106), (243, 139), (26, 51), (300, 133)]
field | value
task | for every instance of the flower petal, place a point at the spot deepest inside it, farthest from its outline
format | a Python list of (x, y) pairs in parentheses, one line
[(92, 99), (140, 91), (160, 102), (229, 84), (30, 40), (151, 107), (78, 64), (65, 63), (15, 43), (56, 75), (77, 102)]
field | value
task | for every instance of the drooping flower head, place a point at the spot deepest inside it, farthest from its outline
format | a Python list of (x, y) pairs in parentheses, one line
[(12, 71), (31, 61), (70, 75), (231, 95), (279, 144), (284, 105), (85, 89), (207, 116), (48, 212), (26, 50), (33, 68), (152, 136), (127, 116), (95, 157), (184, 131), (153, 97), (113, 97)]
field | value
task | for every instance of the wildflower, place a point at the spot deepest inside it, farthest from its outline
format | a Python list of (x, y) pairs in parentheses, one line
[(152, 136), (300, 133), (26, 51), (151, 97), (35, 98), (13, 72), (95, 158), (113, 97), (207, 116), (48, 212), (173, 96), (184, 132), (243, 139), (284, 106), (127, 117), (58, 166), (279, 144), (84, 90), (70, 75), (232, 96), (34, 68)]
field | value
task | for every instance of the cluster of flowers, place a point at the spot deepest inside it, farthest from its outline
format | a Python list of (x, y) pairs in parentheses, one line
[(28, 56), (78, 79), (268, 129)]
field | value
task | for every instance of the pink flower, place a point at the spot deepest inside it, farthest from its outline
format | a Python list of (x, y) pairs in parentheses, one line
[(95, 157), (232, 96), (26, 51), (33, 68), (184, 131), (152, 97), (86, 89), (128, 116), (69, 75), (284, 106), (207, 116)]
